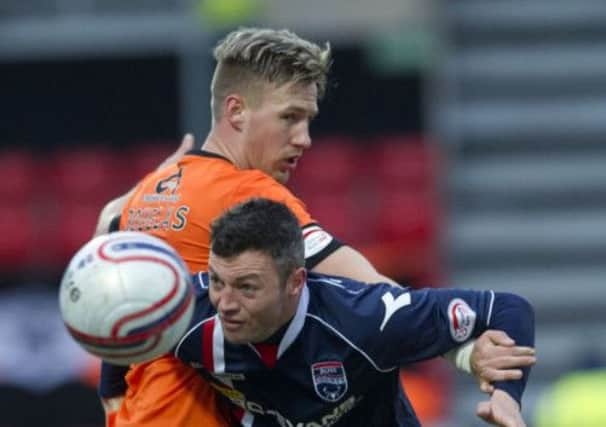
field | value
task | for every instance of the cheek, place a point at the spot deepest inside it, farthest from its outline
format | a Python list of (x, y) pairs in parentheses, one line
[(271, 150), (212, 297), (264, 314)]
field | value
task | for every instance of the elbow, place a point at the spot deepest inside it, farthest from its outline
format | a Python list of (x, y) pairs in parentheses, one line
[(518, 311), (524, 306)]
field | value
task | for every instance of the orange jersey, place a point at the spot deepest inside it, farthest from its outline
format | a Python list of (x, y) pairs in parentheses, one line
[(178, 205)]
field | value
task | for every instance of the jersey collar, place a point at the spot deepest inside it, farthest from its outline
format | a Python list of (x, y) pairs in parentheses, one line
[(296, 325), (204, 153)]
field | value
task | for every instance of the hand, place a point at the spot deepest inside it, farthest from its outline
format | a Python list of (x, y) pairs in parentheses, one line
[(495, 357), (501, 410), (187, 143)]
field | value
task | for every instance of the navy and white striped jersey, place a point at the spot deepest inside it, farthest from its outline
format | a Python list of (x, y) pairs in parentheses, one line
[(337, 362)]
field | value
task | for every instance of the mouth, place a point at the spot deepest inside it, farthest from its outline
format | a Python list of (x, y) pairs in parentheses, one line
[(230, 324), (291, 162)]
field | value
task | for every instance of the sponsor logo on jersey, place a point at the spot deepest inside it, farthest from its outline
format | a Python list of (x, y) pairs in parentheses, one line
[(315, 239), (392, 305), (462, 319), (232, 394), (330, 380), (232, 376), (169, 184)]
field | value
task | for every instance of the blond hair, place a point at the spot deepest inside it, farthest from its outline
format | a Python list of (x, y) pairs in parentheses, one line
[(249, 57)]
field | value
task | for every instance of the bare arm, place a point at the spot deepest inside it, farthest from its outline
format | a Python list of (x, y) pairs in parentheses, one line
[(109, 212), (348, 262)]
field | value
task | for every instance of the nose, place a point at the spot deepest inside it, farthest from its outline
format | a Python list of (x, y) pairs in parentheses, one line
[(302, 139), (226, 302)]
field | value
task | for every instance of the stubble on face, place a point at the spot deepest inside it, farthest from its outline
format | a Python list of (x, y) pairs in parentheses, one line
[(278, 128), (250, 315)]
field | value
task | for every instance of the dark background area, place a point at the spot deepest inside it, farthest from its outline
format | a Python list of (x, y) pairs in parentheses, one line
[(127, 100)]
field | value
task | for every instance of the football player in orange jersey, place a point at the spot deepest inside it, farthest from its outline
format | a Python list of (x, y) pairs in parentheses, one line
[(265, 91)]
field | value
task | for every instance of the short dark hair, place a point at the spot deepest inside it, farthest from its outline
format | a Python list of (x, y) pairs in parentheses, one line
[(264, 225)]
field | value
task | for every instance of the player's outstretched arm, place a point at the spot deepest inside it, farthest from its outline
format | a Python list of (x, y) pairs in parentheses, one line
[(501, 410), (491, 357), (114, 207)]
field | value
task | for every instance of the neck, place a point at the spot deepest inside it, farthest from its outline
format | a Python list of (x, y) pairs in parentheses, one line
[(286, 318), (276, 337), (215, 143)]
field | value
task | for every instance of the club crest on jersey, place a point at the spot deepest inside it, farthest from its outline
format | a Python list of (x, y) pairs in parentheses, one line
[(462, 319), (330, 380)]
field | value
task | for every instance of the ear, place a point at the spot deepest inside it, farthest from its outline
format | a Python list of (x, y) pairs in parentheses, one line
[(234, 111), (297, 281)]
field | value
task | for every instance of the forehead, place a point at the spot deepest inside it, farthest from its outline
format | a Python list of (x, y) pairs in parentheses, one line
[(247, 263), (292, 95)]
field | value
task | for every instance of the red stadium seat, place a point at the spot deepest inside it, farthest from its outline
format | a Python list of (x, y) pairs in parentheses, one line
[(16, 229), (330, 166), (409, 224), (75, 226), (411, 217), (144, 158), (343, 214), (331, 212), (18, 175), (87, 174), (405, 162)]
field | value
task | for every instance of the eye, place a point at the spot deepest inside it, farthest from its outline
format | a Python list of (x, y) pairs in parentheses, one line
[(289, 117), (248, 289), (214, 282)]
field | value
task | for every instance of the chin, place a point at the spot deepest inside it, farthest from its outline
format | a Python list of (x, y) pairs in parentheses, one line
[(234, 340), (281, 177)]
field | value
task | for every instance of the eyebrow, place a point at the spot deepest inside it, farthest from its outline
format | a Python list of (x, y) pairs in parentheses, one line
[(311, 113), (246, 277), (213, 273), (238, 279)]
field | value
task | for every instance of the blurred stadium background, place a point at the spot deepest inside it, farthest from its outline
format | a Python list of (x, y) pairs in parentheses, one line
[(461, 143)]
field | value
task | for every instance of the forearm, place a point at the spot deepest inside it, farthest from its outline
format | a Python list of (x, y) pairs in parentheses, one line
[(348, 262), (515, 316), (109, 212)]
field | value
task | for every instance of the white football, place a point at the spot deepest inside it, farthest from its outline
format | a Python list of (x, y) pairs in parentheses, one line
[(126, 297)]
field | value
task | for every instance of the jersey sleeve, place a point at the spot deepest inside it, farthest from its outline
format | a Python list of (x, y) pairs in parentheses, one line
[(111, 380), (421, 324), (319, 243), (415, 325), (114, 224)]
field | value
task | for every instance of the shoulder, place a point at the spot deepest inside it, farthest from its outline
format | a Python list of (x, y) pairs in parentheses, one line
[(199, 284), (348, 287), (343, 300), (254, 183), (352, 311), (323, 283)]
